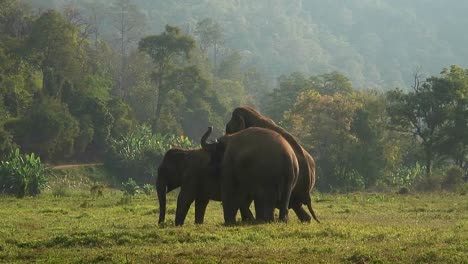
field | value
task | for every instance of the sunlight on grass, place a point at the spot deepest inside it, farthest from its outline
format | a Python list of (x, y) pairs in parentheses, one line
[(356, 228)]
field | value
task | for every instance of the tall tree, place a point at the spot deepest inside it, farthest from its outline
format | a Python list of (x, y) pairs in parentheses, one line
[(324, 125), (210, 34), (129, 22), (164, 49), (54, 45), (421, 112), (455, 139)]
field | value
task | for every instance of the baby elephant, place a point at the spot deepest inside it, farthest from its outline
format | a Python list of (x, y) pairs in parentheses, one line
[(198, 181)]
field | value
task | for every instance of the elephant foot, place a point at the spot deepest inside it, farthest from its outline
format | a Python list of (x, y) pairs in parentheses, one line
[(229, 223)]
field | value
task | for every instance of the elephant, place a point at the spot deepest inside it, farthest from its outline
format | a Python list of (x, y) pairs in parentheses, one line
[(198, 181), (256, 164), (245, 117)]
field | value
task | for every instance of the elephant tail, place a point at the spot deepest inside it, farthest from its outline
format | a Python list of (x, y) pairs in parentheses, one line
[(312, 212)]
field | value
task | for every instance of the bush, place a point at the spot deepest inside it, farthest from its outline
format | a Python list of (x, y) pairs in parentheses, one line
[(130, 187), (428, 184), (148, 189), (138, 154), (22, 175), (462, 189), (406, 176), (453, 178)]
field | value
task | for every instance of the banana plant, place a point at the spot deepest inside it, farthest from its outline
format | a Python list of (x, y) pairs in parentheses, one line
[(22, 175)]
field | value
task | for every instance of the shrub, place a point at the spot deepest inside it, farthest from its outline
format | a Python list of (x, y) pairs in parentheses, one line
[(138, 154), (453, 178), (403, 190), (428, 184), (148, 189), (130, 187), (462, 189), (22, 175), (406, 176)]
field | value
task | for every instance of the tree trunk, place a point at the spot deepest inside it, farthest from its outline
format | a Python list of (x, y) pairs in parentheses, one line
[(157, 112), (428, 164)]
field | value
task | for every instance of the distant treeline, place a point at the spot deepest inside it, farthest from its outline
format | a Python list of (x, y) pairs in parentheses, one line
[(69, 93), (374, 43)]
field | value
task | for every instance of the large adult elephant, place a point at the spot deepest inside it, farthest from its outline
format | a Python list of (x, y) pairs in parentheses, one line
[(258, 164), (245, 117), (198, 180)]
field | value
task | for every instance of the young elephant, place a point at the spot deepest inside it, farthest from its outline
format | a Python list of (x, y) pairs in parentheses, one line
[(198, 181), (245, 117), (258, 164)]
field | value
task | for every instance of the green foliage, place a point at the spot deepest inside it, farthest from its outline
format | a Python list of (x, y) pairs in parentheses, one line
[(462, 189), (432, 183), (55, 48), (405, 176), (130, 187), (324, 123), (453, 178), (22, 175), (138, 154), (6, 142), (148, 189), (165, 49), (435, 112), (50, 130)]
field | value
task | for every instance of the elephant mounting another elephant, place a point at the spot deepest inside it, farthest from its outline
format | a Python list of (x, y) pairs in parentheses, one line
[(252, 144), (256, 164), (245, 117)]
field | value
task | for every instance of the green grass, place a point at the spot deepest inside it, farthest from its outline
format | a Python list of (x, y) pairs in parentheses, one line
[(355, 228)]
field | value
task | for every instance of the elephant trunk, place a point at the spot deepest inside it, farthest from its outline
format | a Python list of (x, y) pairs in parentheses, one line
[(208, 147), (161, 189)]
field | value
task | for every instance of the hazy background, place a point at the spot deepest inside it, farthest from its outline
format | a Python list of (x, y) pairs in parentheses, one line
[(375, 43)]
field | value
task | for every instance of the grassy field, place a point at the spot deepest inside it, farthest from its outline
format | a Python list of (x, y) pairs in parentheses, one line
[(73, 227)]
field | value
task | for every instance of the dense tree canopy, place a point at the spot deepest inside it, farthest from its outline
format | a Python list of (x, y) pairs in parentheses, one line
[(77, 80)]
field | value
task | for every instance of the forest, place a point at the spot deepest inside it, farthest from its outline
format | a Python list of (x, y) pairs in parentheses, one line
[(88, 82)]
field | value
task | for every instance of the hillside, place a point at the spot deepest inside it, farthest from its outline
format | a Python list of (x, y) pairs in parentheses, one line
[(376, 43)]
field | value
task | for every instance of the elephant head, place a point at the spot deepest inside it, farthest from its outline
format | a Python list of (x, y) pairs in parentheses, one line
[(244, 117), (169, 177), (215, 148)]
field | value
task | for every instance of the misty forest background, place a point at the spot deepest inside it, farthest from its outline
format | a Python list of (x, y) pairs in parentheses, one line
[(370, 88)]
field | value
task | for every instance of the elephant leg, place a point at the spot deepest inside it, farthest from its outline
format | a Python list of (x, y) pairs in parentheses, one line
[(230, 207), (229, 197), (285, 198), (259, 210), (301, 214), (246, 214), (266, 205), (230, 211), (183, 204), (283, 214), (269, 210), (200, 208)]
